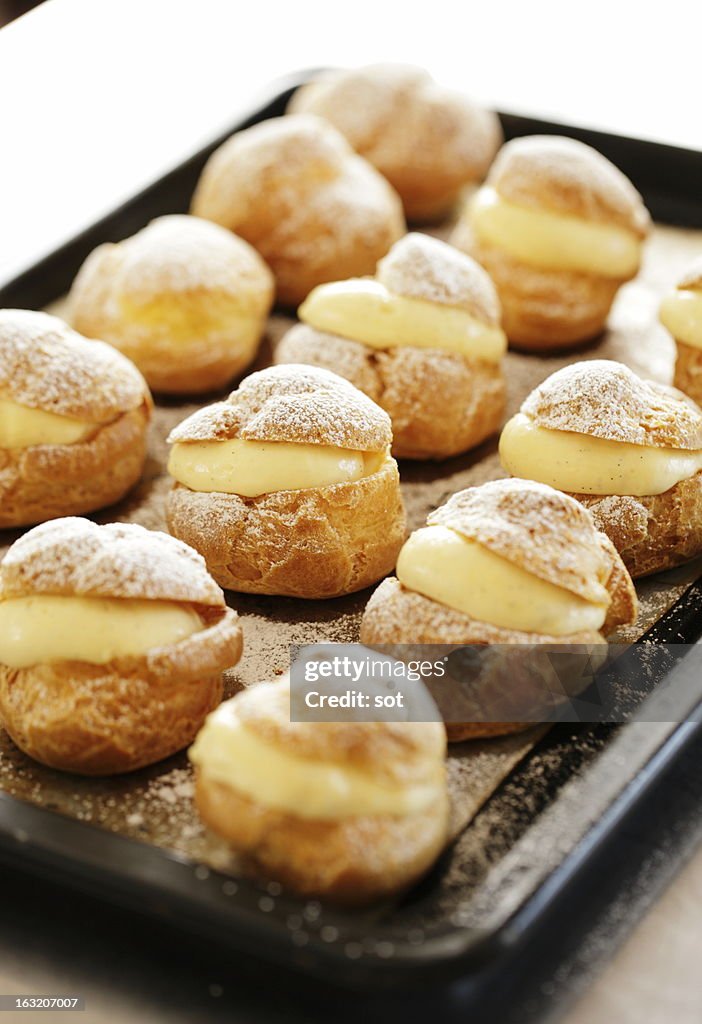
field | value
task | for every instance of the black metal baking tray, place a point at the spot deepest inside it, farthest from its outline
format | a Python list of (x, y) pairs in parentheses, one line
[(530, 844)]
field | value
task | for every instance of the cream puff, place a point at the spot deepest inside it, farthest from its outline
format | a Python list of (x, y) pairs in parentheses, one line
[(509, 562), (428, 141), (73, 420), (559, 229), (184, 299), (113, 641), (350, 811), (288, 487), (422, 339), (681, 313), (628, 449), (295, 190)]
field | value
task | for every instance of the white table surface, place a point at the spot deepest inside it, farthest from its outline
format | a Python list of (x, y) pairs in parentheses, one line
[(100, 96)]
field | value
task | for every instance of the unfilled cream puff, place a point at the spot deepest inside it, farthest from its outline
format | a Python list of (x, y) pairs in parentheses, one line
[(184, 299), (509, 562), (295, 190), (628, 449), (113, 640), (681, 313), (422, 339), (559, 229), (350, 811), (288, 487), (73, 420), (428, 141)]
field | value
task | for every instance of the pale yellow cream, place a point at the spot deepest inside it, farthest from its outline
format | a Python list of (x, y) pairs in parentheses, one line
[(681, 313), (251, 468), (443, 565), (47, 628), (591, 465), (22, 427), (554, 241), (366, 311), (227, 751)]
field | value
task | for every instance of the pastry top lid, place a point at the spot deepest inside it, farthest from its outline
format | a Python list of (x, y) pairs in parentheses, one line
[(551, 172), (692, 278), (173, 254), (537, 528), (605, 399), (298, 404), (421, 267), (396, 752), (46, 365), (75, 557), (397, 115)]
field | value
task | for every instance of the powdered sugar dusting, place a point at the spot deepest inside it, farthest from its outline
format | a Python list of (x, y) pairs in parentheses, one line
[(46, 365), (692, 278), (422, 267), (75, 557)]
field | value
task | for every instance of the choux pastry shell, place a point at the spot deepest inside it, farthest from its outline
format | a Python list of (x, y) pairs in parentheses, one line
[(681, 313)]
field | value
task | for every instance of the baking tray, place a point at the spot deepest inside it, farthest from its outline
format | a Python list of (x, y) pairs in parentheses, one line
[(532, 810)]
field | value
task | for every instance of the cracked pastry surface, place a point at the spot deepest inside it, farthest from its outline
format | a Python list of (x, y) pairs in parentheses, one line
[(184, 299), (422, 336), (73, 420), (559, 229), (288, 486), (294, 189), (681, 313), (508, 562), (428, 141), (113, 640), (628, 449), (350, 811)]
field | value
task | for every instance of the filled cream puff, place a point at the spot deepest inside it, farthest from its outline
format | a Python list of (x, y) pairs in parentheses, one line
[(184, 299), (681, 313), (509, 562), (558, 228), (113, 640), (295, 190), (428, 141), (288, 487), (628, 449), (422, 339), (73, 420), (350, 811)]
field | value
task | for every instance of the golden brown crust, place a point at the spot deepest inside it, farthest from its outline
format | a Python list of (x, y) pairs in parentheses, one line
[(183, 298), (49, 481), (46, 365), (353, 861), (535, 527), (550, 172), (688, 371), (294, 189), (654, 532), (426, 140), (606, 399), (313, 543), (74, 557), (692, 278), (297, 404), (542, 309), (106, 719), (411, 384)]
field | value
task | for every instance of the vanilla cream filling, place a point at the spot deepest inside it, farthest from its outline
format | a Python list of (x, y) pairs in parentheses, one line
[(46, 628), (251, 468), (364, 310), (443, 565), (554, 241), (227, 751), (22, 427), (681, 313), (582, 464)]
